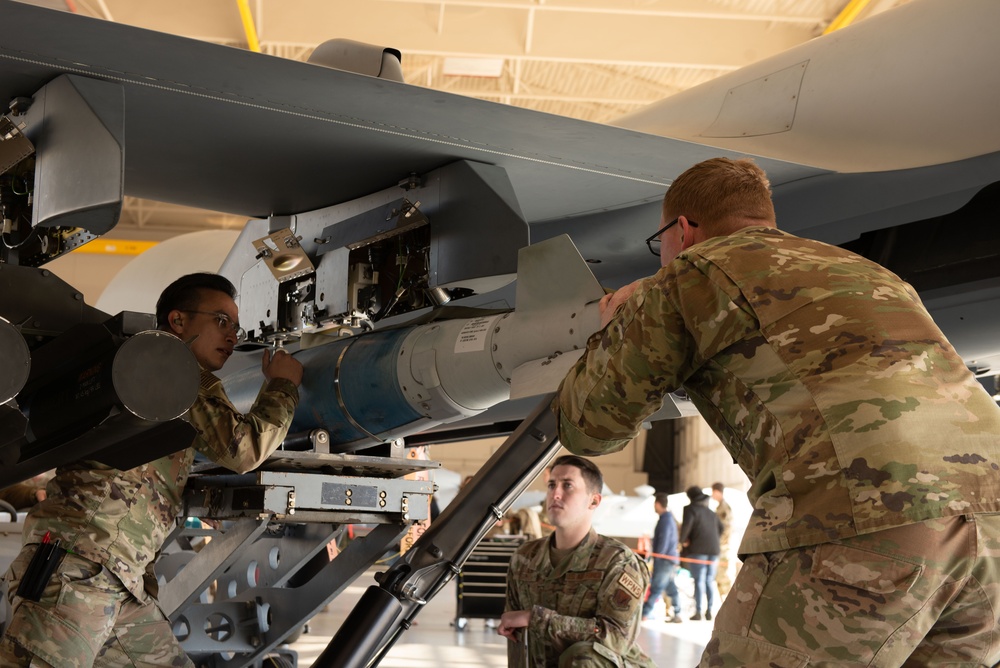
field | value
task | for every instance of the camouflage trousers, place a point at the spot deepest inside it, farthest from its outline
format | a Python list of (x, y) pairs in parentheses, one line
[(85, 617), (925, 594)]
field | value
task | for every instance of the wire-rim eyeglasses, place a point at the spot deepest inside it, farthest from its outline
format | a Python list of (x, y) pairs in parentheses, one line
[(226, 324), (653, 241)]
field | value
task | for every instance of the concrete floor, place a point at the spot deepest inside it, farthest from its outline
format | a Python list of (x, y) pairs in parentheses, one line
[(435, 643)]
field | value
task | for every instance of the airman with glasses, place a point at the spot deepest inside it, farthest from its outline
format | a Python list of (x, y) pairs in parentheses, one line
[(95, 607), (872, 452)]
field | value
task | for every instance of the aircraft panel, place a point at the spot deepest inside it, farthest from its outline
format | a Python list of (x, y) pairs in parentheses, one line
[(234, 131)]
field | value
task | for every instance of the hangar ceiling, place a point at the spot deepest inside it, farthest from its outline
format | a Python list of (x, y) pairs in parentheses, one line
[(589, 59)]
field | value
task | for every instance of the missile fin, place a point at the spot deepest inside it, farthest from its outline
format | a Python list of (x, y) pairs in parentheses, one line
[(553, 273)]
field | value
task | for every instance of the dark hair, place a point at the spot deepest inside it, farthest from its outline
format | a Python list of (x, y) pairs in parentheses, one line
[(718, 487), (588, 471), (695, 494), (185, 294), (661, 498)]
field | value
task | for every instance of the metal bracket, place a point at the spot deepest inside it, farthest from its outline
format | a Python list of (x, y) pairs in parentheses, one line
[(283, 255)]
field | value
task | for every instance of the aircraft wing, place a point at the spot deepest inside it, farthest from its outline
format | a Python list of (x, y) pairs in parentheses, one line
[(884, 123), (244, 133), (235, 131)]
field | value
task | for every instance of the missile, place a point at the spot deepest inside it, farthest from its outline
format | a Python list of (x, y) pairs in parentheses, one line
[(382, 385), (111, 392), (15, 363)]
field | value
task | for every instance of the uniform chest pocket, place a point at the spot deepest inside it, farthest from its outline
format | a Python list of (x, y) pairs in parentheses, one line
[(531, 578), (585, 577), (579, 592)]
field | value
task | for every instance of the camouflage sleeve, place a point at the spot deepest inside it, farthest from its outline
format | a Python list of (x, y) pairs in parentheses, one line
[(619, 607), (513, 601), (242, 442), (673, 322), (515, 655)]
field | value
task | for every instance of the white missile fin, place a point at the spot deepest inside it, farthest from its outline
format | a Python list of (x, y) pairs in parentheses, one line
[(553, 272), (318, 338), (541, 376), (674, 407)]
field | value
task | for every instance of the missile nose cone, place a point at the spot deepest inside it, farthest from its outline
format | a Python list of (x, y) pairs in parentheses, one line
[(15, 361), (155, 376)]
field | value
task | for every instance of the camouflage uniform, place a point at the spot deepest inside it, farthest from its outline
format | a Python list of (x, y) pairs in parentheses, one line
[(101, 601), (725, 514), (852, 415), (584, 612)]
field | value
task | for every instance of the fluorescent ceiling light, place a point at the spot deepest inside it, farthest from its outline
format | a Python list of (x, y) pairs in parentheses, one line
[(473, 67)]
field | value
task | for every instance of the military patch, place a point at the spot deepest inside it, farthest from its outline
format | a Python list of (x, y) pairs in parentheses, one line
[(209, 380), (631, 586), (621, 599)]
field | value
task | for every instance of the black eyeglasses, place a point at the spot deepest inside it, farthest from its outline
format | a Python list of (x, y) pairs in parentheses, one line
[(226, 324), (653, 242)]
